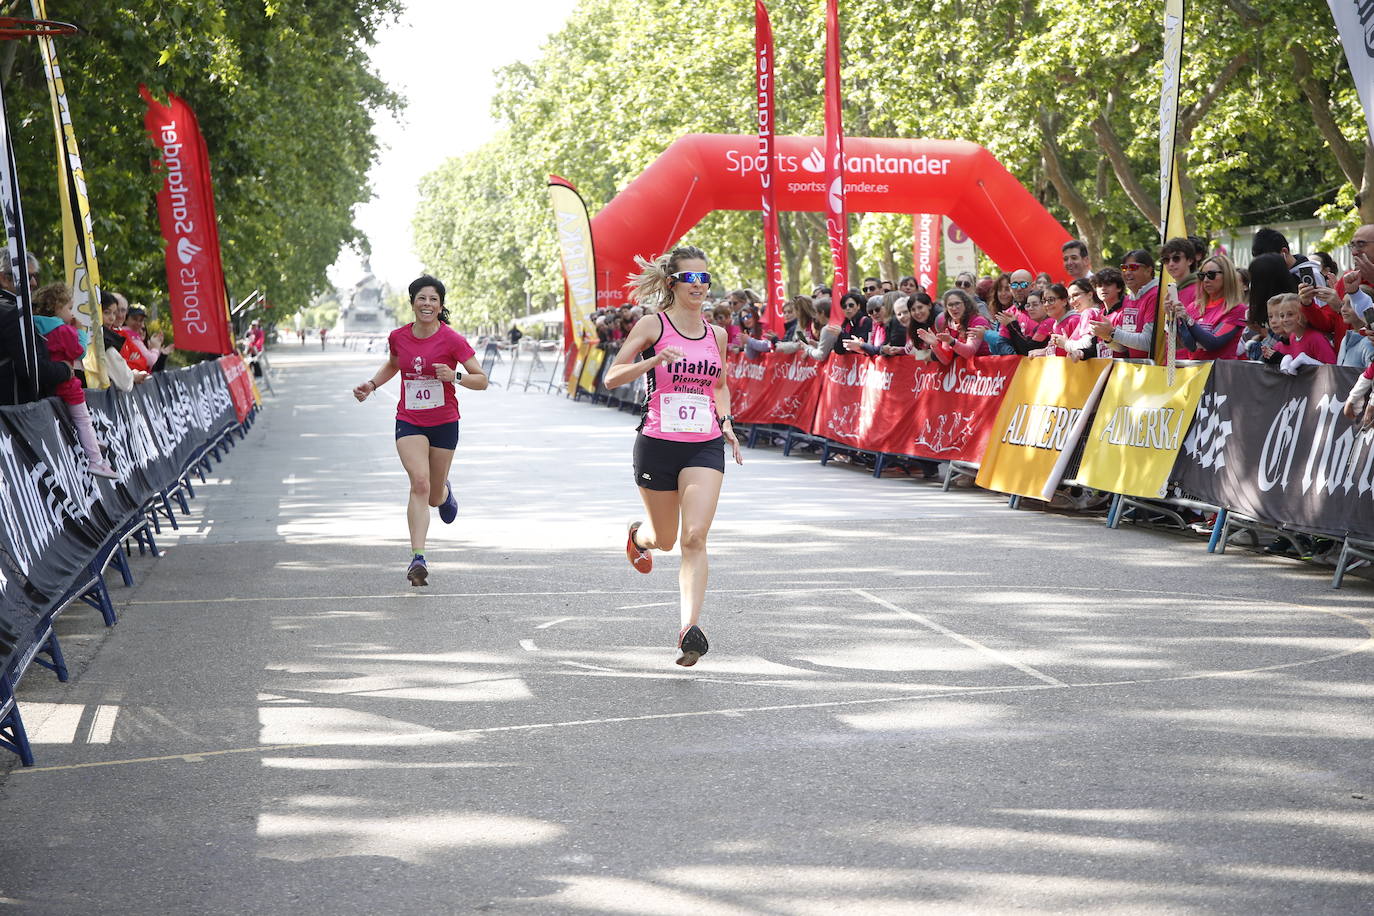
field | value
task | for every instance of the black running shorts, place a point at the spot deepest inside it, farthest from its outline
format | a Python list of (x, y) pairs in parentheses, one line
[(658, 461), (445, 435)]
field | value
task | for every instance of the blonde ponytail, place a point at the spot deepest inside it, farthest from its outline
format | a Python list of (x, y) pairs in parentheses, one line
[(653, 285)]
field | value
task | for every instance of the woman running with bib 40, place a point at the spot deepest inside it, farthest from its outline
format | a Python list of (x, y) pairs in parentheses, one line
[(679, 455), (427, 354)]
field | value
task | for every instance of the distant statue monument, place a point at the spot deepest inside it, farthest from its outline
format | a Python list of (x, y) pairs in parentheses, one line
[(365, 312)]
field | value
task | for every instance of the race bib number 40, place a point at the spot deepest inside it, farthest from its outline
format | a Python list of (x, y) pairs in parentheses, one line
[(685, 413), (424, 393)]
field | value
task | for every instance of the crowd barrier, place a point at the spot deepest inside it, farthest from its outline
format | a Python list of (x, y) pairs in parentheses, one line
[(1262, 450), (61, 527)]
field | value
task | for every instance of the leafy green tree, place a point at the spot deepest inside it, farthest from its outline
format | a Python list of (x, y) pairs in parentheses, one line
[(285, 98), (1065, 93)]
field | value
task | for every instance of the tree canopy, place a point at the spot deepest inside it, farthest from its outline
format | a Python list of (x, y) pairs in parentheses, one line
[(286, 100), (1065, 93)]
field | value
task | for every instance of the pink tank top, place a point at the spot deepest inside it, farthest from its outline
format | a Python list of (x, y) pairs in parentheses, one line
[(680, 403)]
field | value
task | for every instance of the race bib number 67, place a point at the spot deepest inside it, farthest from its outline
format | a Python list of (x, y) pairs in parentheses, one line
[(685, 413)]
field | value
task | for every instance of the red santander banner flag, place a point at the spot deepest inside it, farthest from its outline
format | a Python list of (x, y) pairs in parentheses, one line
[(836, 218), (925, 250), (186, 210), (768, 177)]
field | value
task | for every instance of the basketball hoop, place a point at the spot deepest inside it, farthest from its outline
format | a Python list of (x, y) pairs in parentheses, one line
[(19, 27)]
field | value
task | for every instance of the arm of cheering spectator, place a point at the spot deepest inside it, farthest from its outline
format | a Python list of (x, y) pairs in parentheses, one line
[(1206, 340)]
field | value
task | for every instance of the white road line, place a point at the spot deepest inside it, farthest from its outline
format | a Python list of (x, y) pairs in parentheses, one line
[(590, 667), (553, 623), (960, 638), (528, 645), (636, 607), (102, 725)]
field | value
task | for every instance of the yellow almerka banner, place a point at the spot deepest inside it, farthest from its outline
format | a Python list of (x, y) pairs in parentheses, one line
[(1140, 424), (590, 367), (1039, 424), (78, 244)]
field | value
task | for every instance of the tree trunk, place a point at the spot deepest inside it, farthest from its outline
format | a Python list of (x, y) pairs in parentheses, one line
[(889, 270), (1089, 227)]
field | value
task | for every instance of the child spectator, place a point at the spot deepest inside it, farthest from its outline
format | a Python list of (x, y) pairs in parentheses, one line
[(52, 316), (1357, 346), (1304, 346), (1064, 321)]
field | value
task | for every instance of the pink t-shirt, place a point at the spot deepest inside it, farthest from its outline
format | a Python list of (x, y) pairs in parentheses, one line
[(64, 344), (1313, 343), (680, 403), (419, 387), (1218, 318), (1069, 326), (1136, 312)]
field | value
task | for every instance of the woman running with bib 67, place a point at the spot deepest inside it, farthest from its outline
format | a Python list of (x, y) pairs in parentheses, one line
[(679, 455), (427, 354)]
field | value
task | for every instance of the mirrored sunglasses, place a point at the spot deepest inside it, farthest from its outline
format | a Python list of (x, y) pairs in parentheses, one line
[(1132, 266), (693, 276), (1020, 284)]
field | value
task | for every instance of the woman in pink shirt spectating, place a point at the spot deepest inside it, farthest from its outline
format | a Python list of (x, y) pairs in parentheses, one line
[(427, 353), (679, 454)]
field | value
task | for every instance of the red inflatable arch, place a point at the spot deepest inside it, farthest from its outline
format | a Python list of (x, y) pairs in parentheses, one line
[(700, 173)]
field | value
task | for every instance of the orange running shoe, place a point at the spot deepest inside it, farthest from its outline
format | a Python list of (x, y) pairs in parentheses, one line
[(640, 559)]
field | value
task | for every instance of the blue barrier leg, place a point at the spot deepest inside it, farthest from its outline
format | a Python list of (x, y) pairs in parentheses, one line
[(171, 515), (787, 442), (55, 662), (121, 563), (1014, 502), (98, 597), (12, 733), (157, 525), (1218, 527), (878, 465), (825, 453), (186, 482), (1114, 511), (152, 543), (180, 497)]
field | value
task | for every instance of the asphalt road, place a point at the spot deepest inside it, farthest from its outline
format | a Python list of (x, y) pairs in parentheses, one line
[(915, 701)]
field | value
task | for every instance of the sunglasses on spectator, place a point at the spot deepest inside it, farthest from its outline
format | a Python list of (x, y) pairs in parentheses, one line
[(1208, 274), (1176, 257), (874, 309), (963, 284), (870, 289), (1132, 266), (1020, 284), (693, 276)]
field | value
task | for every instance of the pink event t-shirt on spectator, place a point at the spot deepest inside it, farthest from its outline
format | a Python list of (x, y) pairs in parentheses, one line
[(1069, 326), (1217, 319), (1313, 343), (416, 358)]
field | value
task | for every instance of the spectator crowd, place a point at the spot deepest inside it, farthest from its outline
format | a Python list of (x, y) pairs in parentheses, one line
[(1284, 308)]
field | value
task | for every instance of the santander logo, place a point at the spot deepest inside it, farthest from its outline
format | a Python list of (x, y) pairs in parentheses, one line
[(836, 196), (186, 251), (814, 162)]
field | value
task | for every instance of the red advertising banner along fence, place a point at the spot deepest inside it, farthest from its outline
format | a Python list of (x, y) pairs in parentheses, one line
[(925, 251), (186, 211), (776, 292), (898, 406), (240, 385), (779, 389), (837, 216), (955, 408)]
